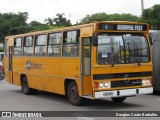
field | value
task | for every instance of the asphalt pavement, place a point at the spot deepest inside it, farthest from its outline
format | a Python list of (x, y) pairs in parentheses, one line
[(12, 99)]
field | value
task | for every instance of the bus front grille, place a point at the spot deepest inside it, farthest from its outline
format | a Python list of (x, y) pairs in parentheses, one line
[(126, 83)]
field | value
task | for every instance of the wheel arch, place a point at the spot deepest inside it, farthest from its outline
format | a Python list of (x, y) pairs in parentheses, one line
[(66, 83), (21, 78), (74, 95)]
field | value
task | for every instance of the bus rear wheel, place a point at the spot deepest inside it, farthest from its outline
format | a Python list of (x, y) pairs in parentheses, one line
[(25, 88), (73, 94), (118, 99)]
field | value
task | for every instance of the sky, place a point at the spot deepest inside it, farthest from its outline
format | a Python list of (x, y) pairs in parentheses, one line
[(74, 10)]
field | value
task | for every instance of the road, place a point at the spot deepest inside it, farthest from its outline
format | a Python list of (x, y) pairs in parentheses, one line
[(12, 99)]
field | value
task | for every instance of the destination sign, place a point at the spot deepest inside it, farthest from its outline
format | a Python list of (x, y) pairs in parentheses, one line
[(123, 27), (130, 27)]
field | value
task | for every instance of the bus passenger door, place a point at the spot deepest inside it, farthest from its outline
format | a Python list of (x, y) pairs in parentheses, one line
[(10, 69), (86, 66)]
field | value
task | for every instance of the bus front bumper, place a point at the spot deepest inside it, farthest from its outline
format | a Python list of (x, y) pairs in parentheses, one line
[(123, 93)]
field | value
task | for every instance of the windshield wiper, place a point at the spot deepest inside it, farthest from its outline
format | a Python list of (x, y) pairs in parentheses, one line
[(113, 62), (139, 64)]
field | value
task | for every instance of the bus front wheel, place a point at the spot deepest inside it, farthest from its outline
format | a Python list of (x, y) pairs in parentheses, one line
[(118, 99), (73, 94), (25, 88)]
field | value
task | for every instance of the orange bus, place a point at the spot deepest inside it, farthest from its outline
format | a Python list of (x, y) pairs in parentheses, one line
[(94, 60)]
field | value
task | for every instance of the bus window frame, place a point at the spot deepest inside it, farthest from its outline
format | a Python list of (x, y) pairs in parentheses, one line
[(35, 44), (78, 39), (147, 40), (18, 46), (61, 43), (24, 41)]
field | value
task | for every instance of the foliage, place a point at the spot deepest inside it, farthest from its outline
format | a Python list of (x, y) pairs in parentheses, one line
[(37, 26), (35, 23), (41, 27), (59, 20), (109, 17), (49, 21), (11, 23), (19, 30), (15, 23), (152, 16), (55, 27)]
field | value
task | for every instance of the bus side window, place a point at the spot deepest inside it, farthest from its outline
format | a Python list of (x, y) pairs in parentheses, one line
[(40, 45), (54, 44), (28, 46), (71, 43), (17, 46)]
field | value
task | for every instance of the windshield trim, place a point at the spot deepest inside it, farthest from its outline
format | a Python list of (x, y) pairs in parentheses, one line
[(121, 34)]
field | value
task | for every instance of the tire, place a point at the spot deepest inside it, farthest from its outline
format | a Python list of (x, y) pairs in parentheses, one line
[(118, 99), (25, 88), (73, 94)]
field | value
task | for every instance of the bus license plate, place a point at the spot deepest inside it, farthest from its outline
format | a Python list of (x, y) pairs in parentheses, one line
[(107, 93)]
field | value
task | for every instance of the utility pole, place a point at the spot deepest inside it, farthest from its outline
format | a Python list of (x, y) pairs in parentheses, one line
[(142, 6)]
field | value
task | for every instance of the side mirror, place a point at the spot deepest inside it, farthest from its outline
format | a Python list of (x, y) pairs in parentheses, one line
[(95, 40)]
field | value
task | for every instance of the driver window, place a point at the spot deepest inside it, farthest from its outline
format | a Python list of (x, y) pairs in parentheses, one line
[(87, 56)]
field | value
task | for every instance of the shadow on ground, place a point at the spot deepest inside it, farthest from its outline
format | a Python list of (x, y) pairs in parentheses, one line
[(92, 105)]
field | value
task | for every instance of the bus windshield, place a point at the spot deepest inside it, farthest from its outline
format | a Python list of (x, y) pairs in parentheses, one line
[(122, 48)]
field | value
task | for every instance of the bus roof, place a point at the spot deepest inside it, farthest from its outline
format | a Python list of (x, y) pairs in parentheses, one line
[(76, 27)]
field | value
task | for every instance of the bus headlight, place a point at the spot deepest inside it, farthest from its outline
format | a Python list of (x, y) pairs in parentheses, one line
[(143, 82), (106, 84), (146, 81), (102, 85)]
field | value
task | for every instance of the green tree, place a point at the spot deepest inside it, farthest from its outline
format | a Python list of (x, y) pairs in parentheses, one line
[(49, 21), (95, 17), (37, 26), (20, 30), (61, 21), (34, 23), (152, 16), (109, 17), (123, 17), (11, 23), (23, 16)]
